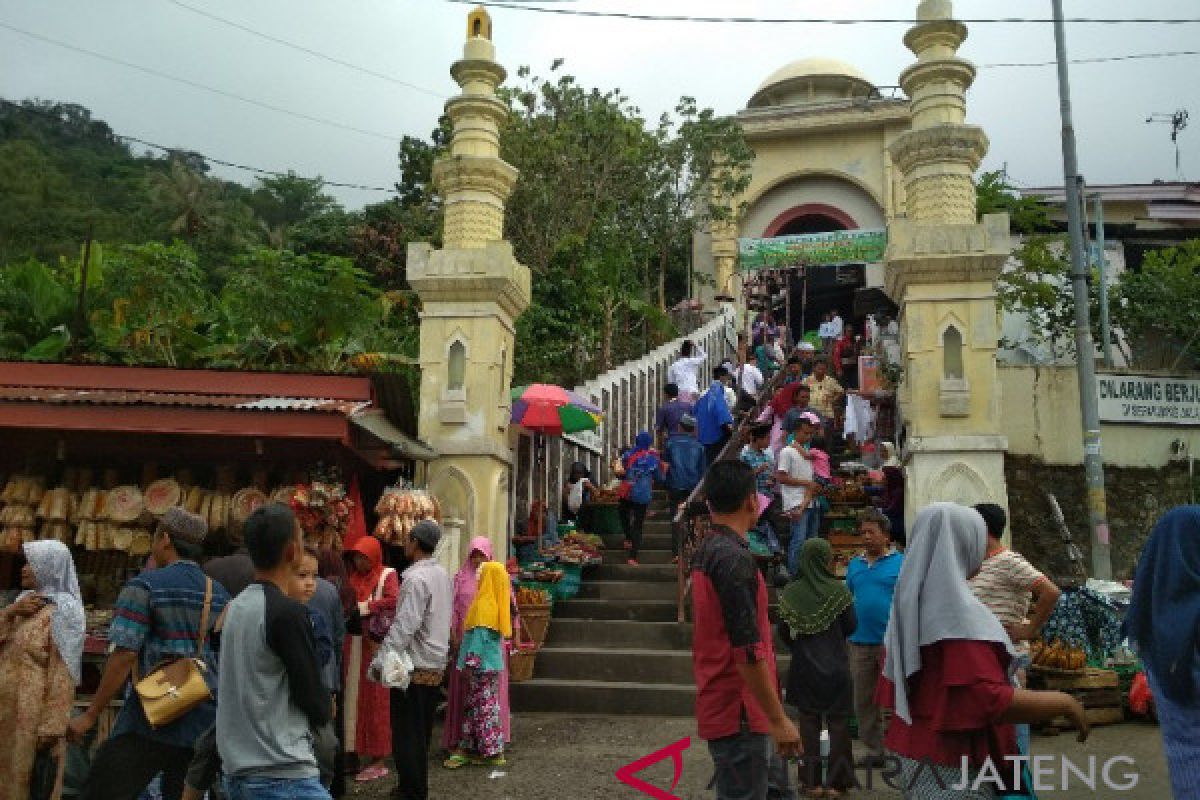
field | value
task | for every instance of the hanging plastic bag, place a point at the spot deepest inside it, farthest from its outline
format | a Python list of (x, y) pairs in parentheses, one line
[(1140, 697), (391, 669)]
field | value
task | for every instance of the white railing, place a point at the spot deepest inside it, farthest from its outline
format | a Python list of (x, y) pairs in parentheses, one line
[(629, 396)]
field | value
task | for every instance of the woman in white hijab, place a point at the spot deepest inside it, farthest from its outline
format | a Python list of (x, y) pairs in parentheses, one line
[(947, 671), (41, 657)]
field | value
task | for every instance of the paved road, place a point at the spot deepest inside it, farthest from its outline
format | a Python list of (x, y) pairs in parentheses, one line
[(560, 757)]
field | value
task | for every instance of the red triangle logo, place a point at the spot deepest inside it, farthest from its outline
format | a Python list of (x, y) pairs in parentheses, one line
[(628, 773)]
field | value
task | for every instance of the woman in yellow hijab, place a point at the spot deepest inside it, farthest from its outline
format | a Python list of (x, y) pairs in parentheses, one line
[(481, 657)]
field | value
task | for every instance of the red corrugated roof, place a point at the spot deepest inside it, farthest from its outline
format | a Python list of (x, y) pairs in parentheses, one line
[(67, 397), (217, 402), (353, 388), (118, 397)]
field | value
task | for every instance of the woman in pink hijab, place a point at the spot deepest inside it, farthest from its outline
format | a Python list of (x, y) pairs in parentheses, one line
[(465, 586)]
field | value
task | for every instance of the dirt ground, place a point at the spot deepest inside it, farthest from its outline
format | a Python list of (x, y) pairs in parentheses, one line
[(557, 756)]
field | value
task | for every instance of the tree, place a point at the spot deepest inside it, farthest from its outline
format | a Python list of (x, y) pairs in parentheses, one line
[(994, 194), (191, 200), (154, 305), (702, 168), (603, 213), (313, 312), (284, 201), (1035, 285), (35, 310), (1158, 306)]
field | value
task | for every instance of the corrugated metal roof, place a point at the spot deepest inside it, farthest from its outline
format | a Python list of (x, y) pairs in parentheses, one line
[(377, 424), (120, 397)]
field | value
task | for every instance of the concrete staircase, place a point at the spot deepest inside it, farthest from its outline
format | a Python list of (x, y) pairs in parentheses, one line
[(616, 647)]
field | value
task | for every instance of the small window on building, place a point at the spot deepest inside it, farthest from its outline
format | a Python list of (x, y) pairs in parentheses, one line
[(456, 367), (952, 354), (478, 27)]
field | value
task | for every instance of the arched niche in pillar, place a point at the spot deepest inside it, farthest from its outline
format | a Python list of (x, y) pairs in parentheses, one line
[(452, 408), (452, 487), (955, 392), (952, 353), (959, 483), (456, 367)]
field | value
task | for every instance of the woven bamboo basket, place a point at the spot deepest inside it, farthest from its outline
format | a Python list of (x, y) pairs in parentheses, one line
[(536, 622), (520, 665)]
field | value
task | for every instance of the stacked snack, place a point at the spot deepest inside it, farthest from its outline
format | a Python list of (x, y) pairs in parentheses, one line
[(241, 506), (21, 495), (400, 510), (125, 524), (57, 508)]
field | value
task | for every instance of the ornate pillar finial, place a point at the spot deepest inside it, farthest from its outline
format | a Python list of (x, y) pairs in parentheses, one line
[(473, 180), (472, 292), (941, 153)]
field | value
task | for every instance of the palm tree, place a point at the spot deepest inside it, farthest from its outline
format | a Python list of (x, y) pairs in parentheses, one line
[(192, 200)]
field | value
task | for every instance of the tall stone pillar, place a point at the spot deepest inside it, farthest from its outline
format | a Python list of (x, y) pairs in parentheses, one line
[(941, 269), (472, 291)]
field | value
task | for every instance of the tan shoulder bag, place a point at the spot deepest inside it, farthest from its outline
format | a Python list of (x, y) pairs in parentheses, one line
[(173, 688)]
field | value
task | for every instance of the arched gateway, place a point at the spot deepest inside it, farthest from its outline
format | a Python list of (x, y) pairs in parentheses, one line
[(820, 131)]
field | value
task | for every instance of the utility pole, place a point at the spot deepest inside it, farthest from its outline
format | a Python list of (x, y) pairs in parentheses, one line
[(1102, 268), (1084, 348)]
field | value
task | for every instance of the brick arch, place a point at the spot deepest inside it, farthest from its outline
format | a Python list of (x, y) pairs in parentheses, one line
[(810, 210)]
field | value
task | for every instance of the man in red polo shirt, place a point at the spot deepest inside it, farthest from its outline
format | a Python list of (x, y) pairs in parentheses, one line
[(738, 707)]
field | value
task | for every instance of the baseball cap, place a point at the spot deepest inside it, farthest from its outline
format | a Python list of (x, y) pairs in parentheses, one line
[(428, 533)]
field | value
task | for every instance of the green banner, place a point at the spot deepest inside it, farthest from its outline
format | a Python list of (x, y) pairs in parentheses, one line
[(813, 250)]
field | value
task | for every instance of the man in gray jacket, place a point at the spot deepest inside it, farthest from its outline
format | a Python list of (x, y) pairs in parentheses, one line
[(271, 696), (422, 629)]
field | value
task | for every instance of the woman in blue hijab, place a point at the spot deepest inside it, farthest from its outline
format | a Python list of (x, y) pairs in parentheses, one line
[(1162, 623)]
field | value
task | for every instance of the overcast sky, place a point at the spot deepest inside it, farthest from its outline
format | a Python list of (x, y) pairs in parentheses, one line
[(415, 41)]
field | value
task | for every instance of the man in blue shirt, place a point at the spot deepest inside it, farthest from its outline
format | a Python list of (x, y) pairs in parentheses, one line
[(871, 578), (685, 464), (158, 616)]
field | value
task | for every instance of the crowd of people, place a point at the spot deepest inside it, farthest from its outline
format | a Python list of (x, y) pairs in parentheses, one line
[(926, 647), (273, 673), (788, 445)]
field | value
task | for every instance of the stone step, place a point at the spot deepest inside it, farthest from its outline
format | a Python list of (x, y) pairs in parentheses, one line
[(624, 572), (618, 555), (650, 541), (614, 665), (601, 697), (651, 527), (620, 634), (596, 608), (620, 591)]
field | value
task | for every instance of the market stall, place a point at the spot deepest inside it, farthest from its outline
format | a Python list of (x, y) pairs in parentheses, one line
[(94, 455)]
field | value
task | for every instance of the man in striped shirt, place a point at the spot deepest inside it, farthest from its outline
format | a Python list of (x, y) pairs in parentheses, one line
[(1006, 581), (1004, 584)]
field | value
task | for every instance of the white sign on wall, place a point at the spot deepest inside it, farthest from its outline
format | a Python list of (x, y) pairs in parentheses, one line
[(1149, 400)]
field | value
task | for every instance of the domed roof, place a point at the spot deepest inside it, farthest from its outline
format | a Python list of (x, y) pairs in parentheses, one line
[(814, 69)]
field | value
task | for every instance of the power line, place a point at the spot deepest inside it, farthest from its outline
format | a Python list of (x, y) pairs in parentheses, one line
[(208, 158), (1098, 60), (308, 51), (577, 12), (196, 85)]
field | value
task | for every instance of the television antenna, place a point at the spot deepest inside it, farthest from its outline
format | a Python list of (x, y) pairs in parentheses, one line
[(1178, 122)]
